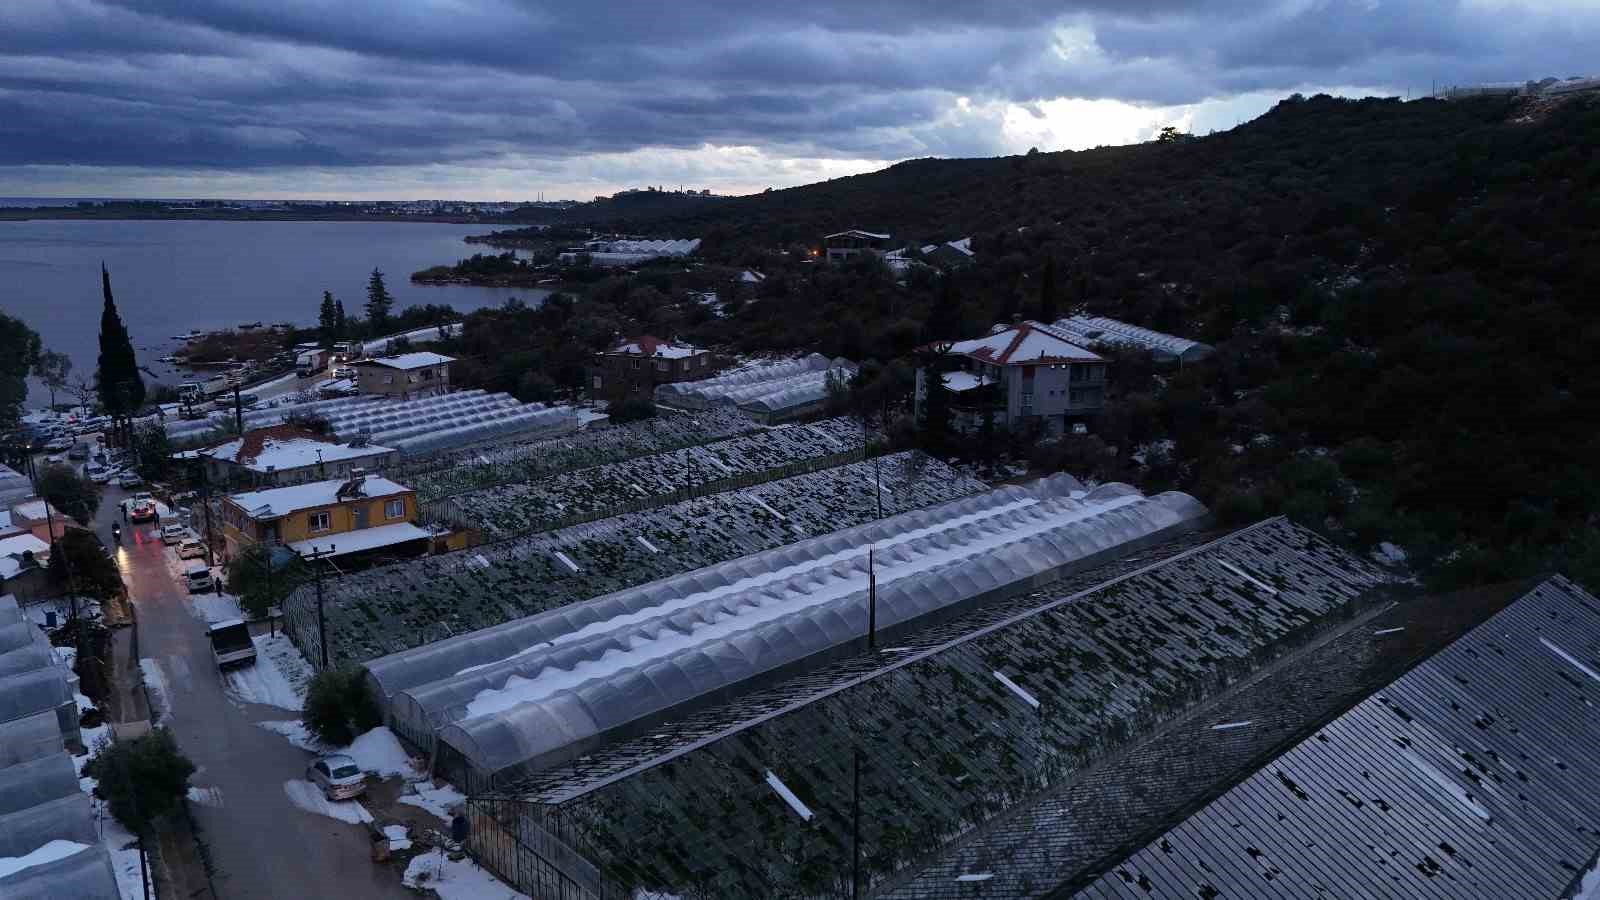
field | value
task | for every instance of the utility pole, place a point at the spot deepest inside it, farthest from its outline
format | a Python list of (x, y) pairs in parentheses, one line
[(315, 556), (872, 603), (238, 409), (855, 824)]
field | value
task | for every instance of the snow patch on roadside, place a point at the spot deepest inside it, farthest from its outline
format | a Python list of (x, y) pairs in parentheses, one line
[(310, 798), (398, 839), (278, 677), (456, 879), (295, 731), (206, 796), (155, 683)]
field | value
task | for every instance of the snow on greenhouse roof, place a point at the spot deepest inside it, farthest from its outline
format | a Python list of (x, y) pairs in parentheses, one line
[(362, 539), (725, 388), (1475, 768), (1024, 344), (275, 502), (445, 474), (441, 421), (509, 509), (390, 609), (857, 233), (407, 361), (599, 665), (1099, 330), (945, 748)]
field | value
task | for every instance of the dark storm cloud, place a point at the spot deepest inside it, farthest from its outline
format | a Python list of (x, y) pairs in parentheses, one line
[(243, 84)]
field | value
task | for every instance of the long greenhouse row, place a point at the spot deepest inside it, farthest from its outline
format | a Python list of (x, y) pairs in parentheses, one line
[(510, 509), (412, 426), (708, 391), (389, 609), (529, 691), (942, 743), (445, 474)]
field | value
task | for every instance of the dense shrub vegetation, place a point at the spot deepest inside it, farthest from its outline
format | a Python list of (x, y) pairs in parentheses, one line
[(1400, 294)]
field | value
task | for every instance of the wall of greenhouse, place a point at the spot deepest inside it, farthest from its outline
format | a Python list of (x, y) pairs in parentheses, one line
[(581, 675), (941, 742)]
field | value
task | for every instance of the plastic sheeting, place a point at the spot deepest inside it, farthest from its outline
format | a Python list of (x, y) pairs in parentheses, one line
[(701, 393), (32, 691), (36, 782), (85, 875), (1103, 331), (29, 737), (69, 818), (610, 661)]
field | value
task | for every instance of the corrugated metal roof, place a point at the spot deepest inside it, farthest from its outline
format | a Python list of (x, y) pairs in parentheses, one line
[(1473, 775)]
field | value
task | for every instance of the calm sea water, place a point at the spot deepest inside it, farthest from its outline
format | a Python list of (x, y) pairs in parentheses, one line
[(171, 276)]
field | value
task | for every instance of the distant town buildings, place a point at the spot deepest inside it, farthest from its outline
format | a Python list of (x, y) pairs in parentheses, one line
[(632, 369), (407, 376), (1025, 374)]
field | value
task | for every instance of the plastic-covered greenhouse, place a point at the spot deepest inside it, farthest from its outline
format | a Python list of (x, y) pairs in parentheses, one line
[(538, 690), (706, 391), (950, 730), (790, 397), (412, 426), (40, 799), (1101, 331)]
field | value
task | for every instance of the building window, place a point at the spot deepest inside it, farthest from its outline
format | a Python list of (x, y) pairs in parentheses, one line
[(597, 382), (635, 363), (1027, 401), (388, 379), (703, 358), (663, 366), (394, 509), (1089, 396), (318, 522)]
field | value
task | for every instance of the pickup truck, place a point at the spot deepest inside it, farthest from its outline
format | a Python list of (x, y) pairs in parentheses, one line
[(230, 643)]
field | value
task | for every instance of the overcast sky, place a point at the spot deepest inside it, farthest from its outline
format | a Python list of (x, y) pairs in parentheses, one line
[(502, 99)]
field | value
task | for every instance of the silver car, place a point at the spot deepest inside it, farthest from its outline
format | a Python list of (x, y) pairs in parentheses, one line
[(338, 776)]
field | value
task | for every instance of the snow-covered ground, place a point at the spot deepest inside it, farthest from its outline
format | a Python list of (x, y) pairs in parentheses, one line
[(1590, 888), (379, 752), (207, 607), (399, 838), (441, 801), (160, 693), (459, 879), (295, 731), (206, 796), (278, 677), (310, 798)]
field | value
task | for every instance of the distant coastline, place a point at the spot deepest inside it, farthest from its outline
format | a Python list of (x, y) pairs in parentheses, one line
[(137, 212)]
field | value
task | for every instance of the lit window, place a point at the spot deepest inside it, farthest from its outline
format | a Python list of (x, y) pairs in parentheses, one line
[(394, 509), (318, 522)]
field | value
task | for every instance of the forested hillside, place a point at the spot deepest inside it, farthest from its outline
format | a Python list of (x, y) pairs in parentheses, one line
[(1402, 294)]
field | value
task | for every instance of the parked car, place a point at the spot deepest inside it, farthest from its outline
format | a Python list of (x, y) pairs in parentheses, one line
[(191, 548), (174, 533), (197, 578), (97, 474), (58, 444), (129, 479), (78, 452), (338, 776)]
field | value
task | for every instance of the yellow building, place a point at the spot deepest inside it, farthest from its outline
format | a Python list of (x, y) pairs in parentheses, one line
[(362, 515)]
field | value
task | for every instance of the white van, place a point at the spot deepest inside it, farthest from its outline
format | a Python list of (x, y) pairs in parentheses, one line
[(198, 578)]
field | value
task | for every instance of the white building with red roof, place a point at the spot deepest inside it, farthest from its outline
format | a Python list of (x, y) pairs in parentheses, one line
[(1027, 373)]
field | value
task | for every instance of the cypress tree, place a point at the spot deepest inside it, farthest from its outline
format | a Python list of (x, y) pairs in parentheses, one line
[(328, 320), (935, 401), (379, 302), (340, 325), (944, 318), (1049, 309), (120, 388)]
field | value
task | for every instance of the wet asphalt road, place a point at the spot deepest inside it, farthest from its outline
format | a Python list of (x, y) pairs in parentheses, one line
[(262, 845)]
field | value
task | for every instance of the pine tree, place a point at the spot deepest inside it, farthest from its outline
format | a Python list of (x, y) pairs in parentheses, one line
[(1049, 309), (328, 320), (341, 327), (120, 388), (379, 302)]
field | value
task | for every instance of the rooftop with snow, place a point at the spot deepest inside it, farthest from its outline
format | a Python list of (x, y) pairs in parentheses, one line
[(1029, 343), (407, 361), (278, 502)]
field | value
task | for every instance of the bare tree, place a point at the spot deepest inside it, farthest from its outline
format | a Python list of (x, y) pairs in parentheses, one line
[(83, 391), (53, 369)]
